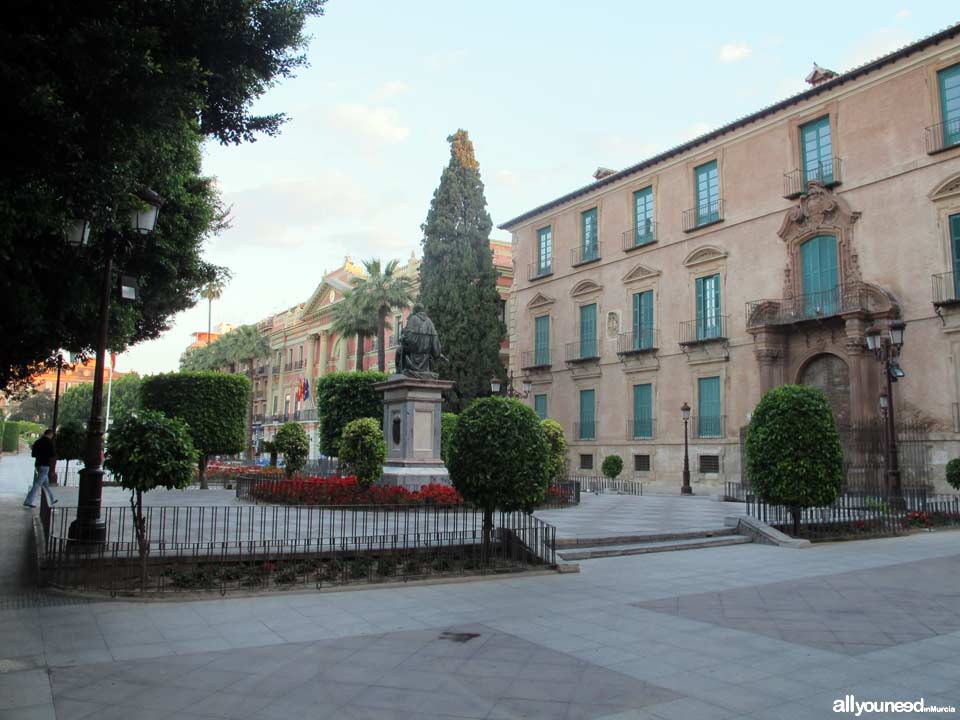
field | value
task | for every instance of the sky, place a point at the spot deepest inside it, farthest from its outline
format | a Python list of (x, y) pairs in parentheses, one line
[(548, 91)]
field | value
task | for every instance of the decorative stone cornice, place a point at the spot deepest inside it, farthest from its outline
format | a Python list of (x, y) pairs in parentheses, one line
[(819, 209), (640, 272), (585, 287), (703, 255), (949, 188)]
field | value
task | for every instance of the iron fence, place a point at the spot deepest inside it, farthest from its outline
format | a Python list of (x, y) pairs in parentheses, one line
[(533, 359), (704, 214), (703, 330), (943, 135), (599, 484), (584, 349), (641, 340), (946, 288), (644, 234), (586, 253), (827, 173), (561, 494), (706, 427)]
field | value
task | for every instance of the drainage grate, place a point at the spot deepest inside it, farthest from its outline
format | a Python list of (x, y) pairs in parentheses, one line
[(39, 598)]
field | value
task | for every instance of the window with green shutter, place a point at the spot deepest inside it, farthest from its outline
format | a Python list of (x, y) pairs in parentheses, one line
[(709, 320), (643, 411), (540, 406), (586, 429), (541, 341), (589, 238), (588, 331), (544, 251), (709, 422), (955, 253), (818, 261), (643, 217), (949, 81), (708, 193), (643, 320), (817, 149)]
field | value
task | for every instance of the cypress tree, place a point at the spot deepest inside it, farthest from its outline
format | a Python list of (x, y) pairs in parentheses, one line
[(458, 283)]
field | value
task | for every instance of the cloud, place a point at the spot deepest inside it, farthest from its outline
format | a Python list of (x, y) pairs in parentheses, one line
[(903, 15), (377, 123), (506, 178), (391, 89), (733, 52)]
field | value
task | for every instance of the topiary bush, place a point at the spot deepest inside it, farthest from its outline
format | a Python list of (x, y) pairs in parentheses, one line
[(291, 440), (793, 451), (557, 464), (448, 423), (499, 458), (953, 473), (612, 466), (346, 396), (363, 450), (11, 436)]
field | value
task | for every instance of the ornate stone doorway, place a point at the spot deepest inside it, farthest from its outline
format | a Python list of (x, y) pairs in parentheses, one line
[(830, 374)]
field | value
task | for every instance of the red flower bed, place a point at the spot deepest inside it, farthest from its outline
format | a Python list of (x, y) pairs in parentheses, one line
[(347, 491)]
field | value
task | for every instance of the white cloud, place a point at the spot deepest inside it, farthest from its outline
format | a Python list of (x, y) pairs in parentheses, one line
[(377, 123), (391, 89), (733, 52), (903, 15)]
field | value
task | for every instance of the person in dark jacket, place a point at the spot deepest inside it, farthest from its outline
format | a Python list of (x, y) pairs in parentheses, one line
[(44, 452)]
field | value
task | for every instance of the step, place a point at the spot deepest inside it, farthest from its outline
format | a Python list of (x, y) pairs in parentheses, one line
[(632, 539), (602, 551)]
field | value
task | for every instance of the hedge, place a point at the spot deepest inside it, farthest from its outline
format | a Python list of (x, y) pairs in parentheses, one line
[(343, 397), (11, 436)]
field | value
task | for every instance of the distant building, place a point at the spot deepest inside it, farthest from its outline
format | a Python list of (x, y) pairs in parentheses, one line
[(203, 337)]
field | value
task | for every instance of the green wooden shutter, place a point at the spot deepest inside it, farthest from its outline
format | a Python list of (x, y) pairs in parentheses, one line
[(817, 149), (955, 245), (589, 249), (643, 217), (587, 429), (643, 411), (541, 341), (709, 322), (588, 331), (950, 104), (708, 193), (708, 397), (820, 276), (540, 406), (643, 320)]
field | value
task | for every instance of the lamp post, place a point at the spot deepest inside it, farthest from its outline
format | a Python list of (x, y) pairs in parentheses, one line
[(88, 527), (685, 489), (886, 348), (497, 388)]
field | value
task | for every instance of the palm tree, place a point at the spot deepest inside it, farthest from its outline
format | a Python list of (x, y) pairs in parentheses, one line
[(383, 290), (352, 316), (213, 290)]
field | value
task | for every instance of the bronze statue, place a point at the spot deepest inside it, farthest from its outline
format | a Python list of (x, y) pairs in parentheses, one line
[(419, 346)]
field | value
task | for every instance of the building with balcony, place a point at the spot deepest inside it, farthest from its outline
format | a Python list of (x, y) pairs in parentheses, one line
[(755, 255)]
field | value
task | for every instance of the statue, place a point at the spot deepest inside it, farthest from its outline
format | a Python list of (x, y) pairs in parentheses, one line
[(419, 346)]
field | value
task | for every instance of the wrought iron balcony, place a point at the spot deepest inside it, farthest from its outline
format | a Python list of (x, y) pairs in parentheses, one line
[(258, 418), (583, 254), (299, 364), (582, 350), (704, 330), (260, 371), (287, 367), (827, 173), (641, 340), (641, 428), (946, 289), (308, 415), (536, 359), (275, 369), (811, 306), (636, 237), (703, 427), (259, 396), (943, 136), (537, 270), (585, 430), (703, 215)]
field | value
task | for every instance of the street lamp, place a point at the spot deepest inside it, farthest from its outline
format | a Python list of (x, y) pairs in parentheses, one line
[(88, 527), (496, 387), (685, 489), (886, 348)]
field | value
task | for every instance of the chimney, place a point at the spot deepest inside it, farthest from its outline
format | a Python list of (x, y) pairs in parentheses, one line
[(603, 172), (820, 75)]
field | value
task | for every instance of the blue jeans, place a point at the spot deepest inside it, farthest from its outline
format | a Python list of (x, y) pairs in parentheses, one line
[(41, 480)]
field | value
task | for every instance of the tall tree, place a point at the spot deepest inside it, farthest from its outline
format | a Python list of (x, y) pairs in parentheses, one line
[(352, 316), (213, 290), (36, 408), (458, 283), (383, 290)]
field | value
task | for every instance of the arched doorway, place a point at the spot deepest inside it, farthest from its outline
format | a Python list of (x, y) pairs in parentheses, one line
[(830, 374)]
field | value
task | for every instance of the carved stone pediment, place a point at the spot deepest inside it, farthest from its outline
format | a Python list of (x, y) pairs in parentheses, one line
[(703, 255), (585, 287), (820, 208), (540, 300), (947, 189), (640, 272)]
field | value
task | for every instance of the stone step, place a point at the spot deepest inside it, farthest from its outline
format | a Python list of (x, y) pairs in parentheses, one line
[(634, 538), (602, 551)]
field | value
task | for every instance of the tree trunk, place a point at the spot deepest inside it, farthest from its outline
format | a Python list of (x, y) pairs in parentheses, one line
[(66, 472), (381, 350), (140, 527), (359, 365), (795, 512), (209, 318), (487, 533), (273, 458), (203, 471)]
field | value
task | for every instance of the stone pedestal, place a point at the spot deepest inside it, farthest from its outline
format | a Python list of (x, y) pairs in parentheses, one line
[(411, 421)]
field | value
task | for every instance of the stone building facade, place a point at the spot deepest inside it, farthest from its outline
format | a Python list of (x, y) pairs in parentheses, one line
[(755, 255)]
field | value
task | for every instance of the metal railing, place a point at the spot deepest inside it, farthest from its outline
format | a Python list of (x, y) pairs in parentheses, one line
[(287, 367), (585, 431), (308, 414), (582, 350), (943, 135), (260, 371), (827, 173), (537, 270), (635, 237), (702, 215), (299, 364), (850, 297), (275, 369), (702, 330), (586, 253), (599, 484), (533, 359), (561, 494), (644, 340), (704, 427), (641, 428), (946, 288), (258, 418)]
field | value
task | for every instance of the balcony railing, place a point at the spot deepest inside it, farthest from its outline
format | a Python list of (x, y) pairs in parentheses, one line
[(811, 306), (704, 330), (641, 340), (585, 430), (586, 254), (537, 270), (260, 371), (299, 364), (946, 289), (644, 234), (704, 427), (275, 369), (258, 418), (287, 367), (827, 173), (703, 215), (534, 359), (641, 428), (307, 415), (943, 136), (582, 350), (259, 396)]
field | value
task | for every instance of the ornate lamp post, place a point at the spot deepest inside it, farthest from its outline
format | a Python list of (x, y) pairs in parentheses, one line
[(88, 527), (685, 489), (497, 388), (886, 348)]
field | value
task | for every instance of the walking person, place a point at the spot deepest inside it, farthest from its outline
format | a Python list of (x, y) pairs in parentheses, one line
[(44, 452)]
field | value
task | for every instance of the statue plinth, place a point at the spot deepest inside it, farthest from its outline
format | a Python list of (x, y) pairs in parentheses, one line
[(411, 421)]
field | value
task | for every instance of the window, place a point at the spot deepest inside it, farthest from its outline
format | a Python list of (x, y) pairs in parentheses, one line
[(641, 463), (955, 253), (709, 321), (709, 464), (817, 151), (586, 462), (643, 411), (588, 331), (949, 81), (589, 245), (818, 260), (643, 320), (286, 405), (275, 401), (502, 310), (541, 341), (544, 251), (708, 193), (708, 395), (643, 217), (540, 406), (586, 430)]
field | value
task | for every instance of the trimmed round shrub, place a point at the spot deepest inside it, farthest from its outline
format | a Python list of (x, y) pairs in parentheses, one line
[(612, 466), (953, 473), (793, 451), (150, 450), (448, 423), (10, 441), (363, 450), (292, 441), (345, 396), (557, 462)]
